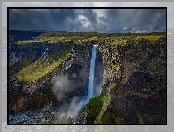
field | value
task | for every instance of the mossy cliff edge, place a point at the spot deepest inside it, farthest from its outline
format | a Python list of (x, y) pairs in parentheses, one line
[(130, 67), (134, 83)]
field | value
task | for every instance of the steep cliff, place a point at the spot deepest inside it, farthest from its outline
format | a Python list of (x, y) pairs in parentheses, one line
[(33, 82), (76, 66), (129, 78), (43, 90), (135, 80)]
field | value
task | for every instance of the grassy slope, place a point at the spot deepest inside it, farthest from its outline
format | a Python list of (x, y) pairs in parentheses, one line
[(39, 69), (99, 113), (22, 63)]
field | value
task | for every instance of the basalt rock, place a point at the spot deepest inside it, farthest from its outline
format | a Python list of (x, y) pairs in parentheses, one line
[(140, 78), (76, 66), (139, 72)]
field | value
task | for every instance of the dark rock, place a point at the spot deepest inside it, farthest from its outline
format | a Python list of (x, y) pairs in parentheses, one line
[(139, 78)]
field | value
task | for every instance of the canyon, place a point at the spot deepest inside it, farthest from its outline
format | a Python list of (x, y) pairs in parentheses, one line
[(129, 84)]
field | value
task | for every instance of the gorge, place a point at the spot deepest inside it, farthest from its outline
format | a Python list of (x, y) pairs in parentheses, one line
[(121, 80)]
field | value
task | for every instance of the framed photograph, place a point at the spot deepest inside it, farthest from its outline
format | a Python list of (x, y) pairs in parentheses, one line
[(87, 65)]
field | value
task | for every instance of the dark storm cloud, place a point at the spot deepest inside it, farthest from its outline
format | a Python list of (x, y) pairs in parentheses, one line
[(52, 19), (113, 20), (148, 19), (92, 16), (138, 19)]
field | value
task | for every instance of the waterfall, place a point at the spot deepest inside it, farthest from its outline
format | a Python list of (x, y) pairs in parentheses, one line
[(91, 76), (68, 111)]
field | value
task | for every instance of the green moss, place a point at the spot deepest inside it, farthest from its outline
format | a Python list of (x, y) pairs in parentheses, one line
[(111, 118), (108, 118), (39, 68), (83, 38), (140, 118), (118, 119), (111, 86), (133, 41), (22, 63), (94, 107), (106, 102), (119, 41), (154, 63), (111, 68)]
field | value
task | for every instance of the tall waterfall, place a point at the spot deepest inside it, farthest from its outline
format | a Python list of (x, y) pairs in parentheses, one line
[(70, 110), (91, 76)]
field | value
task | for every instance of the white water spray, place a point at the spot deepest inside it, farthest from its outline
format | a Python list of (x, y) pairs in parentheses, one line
[(68, 111)]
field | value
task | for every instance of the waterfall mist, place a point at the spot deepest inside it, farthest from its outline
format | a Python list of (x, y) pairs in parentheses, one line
[(62, 87), (73, 91), (70, 110)]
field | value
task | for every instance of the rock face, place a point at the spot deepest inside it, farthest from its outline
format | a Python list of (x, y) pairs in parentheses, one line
[(75, 67), (139, 73), (134, 76), (32, 95), (19, 89), (122, 61), (80, 55)]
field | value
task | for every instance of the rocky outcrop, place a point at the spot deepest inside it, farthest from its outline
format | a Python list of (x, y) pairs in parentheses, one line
[(122, 61), (76, 66), (133, 76), (80, 55), (138, 73), (19, 89)]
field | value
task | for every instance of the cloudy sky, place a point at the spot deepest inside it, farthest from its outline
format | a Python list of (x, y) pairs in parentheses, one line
[(90, 20)]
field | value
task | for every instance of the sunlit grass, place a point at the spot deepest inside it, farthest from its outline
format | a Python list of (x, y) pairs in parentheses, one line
[(88, 38), (39, 69), (106, 102), (112, 86)]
